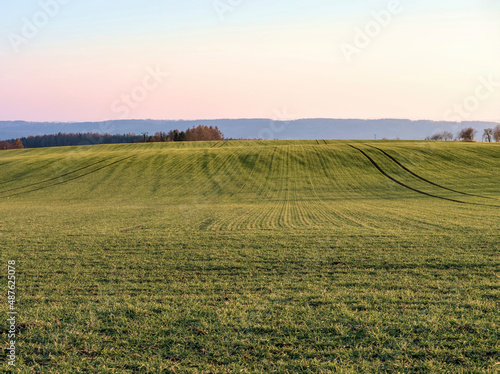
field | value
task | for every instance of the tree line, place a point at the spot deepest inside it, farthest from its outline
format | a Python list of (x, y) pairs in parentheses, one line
[(468, 134), (199, 133), (72, 139)]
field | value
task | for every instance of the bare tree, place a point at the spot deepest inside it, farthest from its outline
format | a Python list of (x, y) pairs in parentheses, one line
[(444, 135), (436, 137), (496, 133), (447, 135), (487, 135), (467, 134)]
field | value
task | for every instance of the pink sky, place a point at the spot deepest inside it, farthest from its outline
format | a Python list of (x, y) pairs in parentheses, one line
[(422, 65)]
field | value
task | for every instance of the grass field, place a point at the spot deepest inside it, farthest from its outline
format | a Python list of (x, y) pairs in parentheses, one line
[(253, 257)]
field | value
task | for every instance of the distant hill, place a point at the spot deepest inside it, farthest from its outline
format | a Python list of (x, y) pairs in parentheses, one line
[(254, 128)]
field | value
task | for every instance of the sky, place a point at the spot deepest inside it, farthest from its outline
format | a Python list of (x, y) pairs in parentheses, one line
[(94, 60)]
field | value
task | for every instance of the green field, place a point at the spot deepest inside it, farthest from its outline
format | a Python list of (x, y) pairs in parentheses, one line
[(253, 257)]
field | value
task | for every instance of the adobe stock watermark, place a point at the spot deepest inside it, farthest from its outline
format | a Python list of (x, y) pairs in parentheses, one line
[(129, 101), (279, 122), (12, 312), (364, 36), (222, 7), (484, 91), (31, 27)]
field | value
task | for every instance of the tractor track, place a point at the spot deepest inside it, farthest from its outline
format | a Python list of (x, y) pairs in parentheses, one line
[(326, 209), (224, 143), (250, 174), (424, 179), (68, 180), (215, 145), (52, 179), (411, 188)]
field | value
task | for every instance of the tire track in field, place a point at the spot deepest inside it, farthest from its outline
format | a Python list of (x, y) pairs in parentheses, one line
[(275, 212), (251, 218), (299, 210), (220, 171), (326, 213), (69, 180), (325, 209), (184, 170), (178, 169), (263, 187), (424, 179), (293, 216), (307, 210), (276, 196), (30, 172), (250, 175), (52, 179), (226, 170), (411, 188), (225, 142), (242, 221)]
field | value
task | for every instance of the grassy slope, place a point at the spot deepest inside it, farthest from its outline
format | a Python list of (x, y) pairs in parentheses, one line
[(254, 256)]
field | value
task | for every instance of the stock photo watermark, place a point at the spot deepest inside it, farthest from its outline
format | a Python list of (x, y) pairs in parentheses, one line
[(31, 26), (11, 313), (364, 36), (222, 7), (123, 106), (129, 101), (485, 89)]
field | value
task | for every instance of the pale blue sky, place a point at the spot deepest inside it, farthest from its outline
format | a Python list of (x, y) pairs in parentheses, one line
[(259, 58)]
